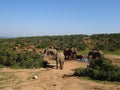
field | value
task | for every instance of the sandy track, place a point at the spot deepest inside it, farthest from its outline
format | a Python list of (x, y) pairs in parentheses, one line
[(54, 79)]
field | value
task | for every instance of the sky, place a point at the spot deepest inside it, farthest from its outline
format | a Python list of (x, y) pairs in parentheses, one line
[(21, 18)]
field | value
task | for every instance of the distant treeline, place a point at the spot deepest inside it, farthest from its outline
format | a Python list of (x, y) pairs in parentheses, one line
[(108, 42)]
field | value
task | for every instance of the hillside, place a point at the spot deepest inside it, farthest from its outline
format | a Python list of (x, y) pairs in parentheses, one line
[(109, 42)]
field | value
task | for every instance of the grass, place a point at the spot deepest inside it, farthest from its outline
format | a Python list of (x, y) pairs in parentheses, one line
[(2, 66), (116, 52), (102, 82), (84, 52), (107, 82), (1, 87), (5, 77)]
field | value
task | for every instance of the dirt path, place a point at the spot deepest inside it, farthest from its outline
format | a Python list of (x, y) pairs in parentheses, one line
[(53, 79)]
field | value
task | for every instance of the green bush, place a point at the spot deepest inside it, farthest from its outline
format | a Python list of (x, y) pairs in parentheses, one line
[(100, 69), (30, 60), (22, 60), (7, 58)]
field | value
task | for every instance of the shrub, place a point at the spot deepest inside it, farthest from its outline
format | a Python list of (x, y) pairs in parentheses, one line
[(30, 60), (2, 66), (100, 69), (22, 60), (7, 58)]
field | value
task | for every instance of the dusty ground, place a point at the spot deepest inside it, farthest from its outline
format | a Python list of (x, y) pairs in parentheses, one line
[(115, 59), (51, 79)]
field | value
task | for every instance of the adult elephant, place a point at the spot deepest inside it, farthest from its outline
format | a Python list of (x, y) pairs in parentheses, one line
[(60, 60), (70, 53), (67, 53), (50, 52), (73, 53), (94, 54)]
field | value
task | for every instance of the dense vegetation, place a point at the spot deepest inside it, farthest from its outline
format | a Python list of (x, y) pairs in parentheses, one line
[(22, 60), (46, 41), (108, 42), (100, 69), (10, 57)]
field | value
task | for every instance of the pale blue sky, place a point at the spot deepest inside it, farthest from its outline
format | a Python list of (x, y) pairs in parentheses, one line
[(58, 17)]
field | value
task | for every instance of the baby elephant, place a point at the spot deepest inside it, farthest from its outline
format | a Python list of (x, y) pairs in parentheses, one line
[(79, 57), (60, 60)]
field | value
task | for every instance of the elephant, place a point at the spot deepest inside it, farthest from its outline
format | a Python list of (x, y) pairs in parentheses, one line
[(94, 54), (70, 53), (50, 52), (79, 57), (60, 60), (67, 53)]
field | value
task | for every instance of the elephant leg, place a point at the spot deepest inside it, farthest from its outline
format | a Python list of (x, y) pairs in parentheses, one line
[(61, 65), (68, 57), (56, 64), (65, 57), (88, 57), (94, 56)]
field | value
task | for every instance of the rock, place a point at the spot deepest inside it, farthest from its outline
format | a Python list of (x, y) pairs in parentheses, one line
[(35, 77)]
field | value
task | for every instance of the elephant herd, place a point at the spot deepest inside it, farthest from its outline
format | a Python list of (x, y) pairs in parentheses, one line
[(60, 57), (70, 53)]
